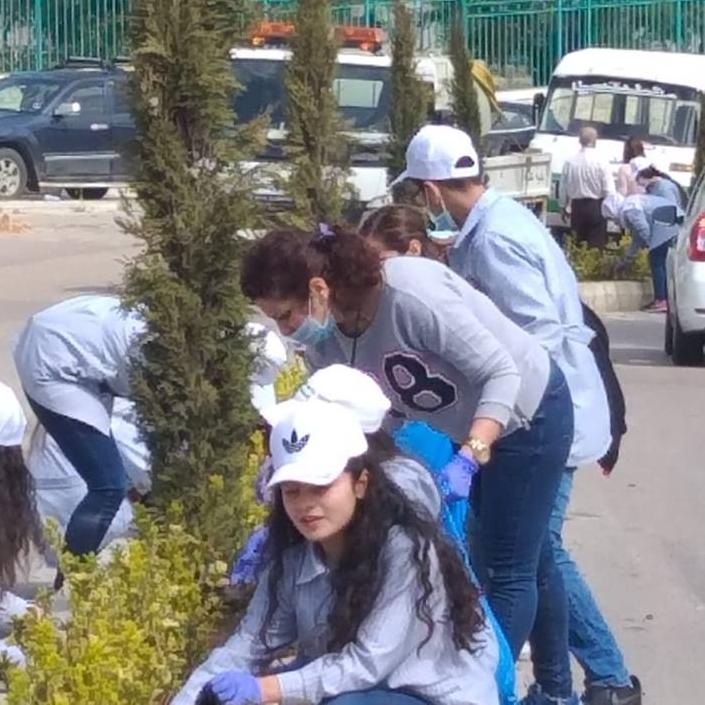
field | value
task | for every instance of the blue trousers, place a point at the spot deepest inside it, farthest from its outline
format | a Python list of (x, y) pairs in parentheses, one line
[(657, 263), (590, 638), (376, 696), (512, 500), (97, 460)]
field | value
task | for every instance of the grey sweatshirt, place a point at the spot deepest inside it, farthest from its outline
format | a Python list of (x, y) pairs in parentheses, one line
[(443, 353)]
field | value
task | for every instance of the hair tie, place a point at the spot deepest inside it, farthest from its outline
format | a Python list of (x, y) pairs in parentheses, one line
[(324, 231)]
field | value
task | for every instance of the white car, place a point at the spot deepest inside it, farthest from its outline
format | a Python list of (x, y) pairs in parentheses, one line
[(685, 268)]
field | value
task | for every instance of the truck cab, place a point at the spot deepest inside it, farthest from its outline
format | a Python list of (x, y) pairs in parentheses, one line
[(363, 90)]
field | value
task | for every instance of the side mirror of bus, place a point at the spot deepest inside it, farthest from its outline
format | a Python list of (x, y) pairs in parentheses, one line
[(538, 103)]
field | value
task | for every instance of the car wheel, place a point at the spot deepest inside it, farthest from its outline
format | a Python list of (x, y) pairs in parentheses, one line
[(668, 335), (687, 347), (13, 174), (87, 194)]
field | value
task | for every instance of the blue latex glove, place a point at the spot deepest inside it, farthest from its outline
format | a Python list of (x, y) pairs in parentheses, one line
[(456, 477), (247, 565), (236, 688)]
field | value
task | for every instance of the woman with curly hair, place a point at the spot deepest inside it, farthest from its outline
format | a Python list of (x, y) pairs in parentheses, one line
[(19, 524), (376, 602), (443, 354)]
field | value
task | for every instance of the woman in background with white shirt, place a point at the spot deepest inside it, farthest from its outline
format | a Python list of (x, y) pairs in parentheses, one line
[(627, 184)]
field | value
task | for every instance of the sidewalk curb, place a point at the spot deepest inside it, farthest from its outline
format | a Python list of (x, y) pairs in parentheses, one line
[(616, 296)]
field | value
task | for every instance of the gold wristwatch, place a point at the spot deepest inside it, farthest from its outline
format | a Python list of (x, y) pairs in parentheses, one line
[(480, 450)]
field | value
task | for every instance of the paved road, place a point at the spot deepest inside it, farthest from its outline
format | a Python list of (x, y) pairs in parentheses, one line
[(638, 535)]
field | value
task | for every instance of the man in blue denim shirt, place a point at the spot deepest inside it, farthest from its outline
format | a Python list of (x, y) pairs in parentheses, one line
[(502, 249)]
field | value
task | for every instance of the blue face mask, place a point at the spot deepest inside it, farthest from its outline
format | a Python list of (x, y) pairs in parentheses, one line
[(444, 227), (443, 222), (311, 331)]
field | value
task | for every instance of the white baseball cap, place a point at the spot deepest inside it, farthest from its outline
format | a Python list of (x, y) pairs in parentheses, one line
[(439, 153), (351, 388), (13, 422), (312, 442)]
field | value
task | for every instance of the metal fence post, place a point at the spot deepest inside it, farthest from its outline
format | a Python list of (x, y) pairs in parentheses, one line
[(679, 25), (559, 33), (588, 24), (38, 35)]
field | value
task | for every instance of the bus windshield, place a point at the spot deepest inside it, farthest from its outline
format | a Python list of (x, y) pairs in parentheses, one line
[(362, 93), (654, 112)]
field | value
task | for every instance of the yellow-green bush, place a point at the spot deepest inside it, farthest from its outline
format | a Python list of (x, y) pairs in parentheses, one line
[(291, 379), (139, 620), (142, 617), (592, 264)]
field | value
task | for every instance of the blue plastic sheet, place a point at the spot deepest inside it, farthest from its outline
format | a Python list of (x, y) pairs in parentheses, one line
[(434, 449)]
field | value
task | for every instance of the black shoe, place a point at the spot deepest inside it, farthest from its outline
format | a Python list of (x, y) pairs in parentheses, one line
[(609, 695)]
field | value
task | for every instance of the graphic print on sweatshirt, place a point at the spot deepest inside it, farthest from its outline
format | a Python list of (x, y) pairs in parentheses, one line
[(415, 385)]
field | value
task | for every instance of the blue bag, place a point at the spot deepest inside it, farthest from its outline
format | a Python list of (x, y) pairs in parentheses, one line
[(434, 450)]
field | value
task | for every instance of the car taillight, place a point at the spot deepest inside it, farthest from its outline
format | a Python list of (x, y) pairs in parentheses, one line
[(696, 251)]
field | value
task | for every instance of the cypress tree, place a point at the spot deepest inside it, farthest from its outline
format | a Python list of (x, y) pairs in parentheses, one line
[(191, 382), (316, 148), (463, 90), (409, 94)]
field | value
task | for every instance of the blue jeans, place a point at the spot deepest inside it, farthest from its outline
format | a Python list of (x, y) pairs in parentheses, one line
[(657, 263), (376, 696), (590, 639), (97, 460), (512, 499)]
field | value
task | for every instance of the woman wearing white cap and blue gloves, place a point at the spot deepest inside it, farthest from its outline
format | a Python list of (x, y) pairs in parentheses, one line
[(360, 394), (19, 524), (376, 601), (443, 354)]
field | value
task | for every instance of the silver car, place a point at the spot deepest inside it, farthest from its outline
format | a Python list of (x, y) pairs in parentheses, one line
[(685, 268)]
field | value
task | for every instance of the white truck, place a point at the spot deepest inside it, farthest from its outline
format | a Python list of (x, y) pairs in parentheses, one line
[(654, 96), (363, 90)]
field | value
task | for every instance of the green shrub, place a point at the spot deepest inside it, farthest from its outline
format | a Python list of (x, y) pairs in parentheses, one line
[(140, 619), (592, 264)]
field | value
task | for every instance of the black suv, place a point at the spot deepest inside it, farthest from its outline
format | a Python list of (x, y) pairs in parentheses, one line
[(68, 127)]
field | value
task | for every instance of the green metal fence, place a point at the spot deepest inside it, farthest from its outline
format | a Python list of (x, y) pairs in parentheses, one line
[(36, 34), (518, 38)]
